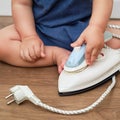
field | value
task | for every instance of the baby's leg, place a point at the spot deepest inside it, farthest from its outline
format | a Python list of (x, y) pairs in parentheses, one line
[(10, 46), (114, 43)]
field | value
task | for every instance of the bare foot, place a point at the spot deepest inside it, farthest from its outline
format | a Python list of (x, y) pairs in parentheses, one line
[(114, 43), (60, 56)]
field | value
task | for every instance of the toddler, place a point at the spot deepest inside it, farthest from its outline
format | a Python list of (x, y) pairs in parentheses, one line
[(45, 31)]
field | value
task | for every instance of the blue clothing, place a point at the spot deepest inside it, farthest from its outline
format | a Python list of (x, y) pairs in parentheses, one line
[(60, 22)]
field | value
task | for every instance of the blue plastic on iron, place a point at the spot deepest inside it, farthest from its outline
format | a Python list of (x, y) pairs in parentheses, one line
[(76, 57)]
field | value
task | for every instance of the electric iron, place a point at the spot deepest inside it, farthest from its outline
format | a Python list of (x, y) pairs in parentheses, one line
[(77, 77)]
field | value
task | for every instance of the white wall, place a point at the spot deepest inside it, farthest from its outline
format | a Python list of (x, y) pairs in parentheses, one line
[(116, 9), (5, 8)]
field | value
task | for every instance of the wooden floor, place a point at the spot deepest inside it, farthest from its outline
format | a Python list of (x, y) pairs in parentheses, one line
[(43, 82)]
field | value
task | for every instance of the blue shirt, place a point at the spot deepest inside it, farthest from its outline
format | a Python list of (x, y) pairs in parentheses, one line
[(60, 22)]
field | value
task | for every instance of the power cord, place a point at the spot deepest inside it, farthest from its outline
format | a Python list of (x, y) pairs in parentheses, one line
[(117, 27), (21, 93)]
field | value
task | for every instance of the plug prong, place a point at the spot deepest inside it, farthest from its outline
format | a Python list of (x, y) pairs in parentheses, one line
[(8, 96), (11, 101)]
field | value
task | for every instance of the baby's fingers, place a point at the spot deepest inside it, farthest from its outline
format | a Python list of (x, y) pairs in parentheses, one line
[(94, 55), (42, 50), (78, 42), (88, 55), (91, 55), (25, 56), (37, 51), (32, 53)]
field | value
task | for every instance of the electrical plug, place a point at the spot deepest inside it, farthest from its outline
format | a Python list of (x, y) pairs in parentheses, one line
[(20, 94)]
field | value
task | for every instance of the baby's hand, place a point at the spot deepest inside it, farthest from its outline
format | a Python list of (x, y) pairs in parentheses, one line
[(94, 39), (31, 48)]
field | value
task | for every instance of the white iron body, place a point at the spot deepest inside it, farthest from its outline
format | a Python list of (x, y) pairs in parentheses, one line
[(76, 82), (102, 70)]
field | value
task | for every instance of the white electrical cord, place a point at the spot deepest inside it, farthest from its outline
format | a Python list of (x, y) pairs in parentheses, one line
[(112, 26), (22, 93), (84, 110), (116, 35)]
